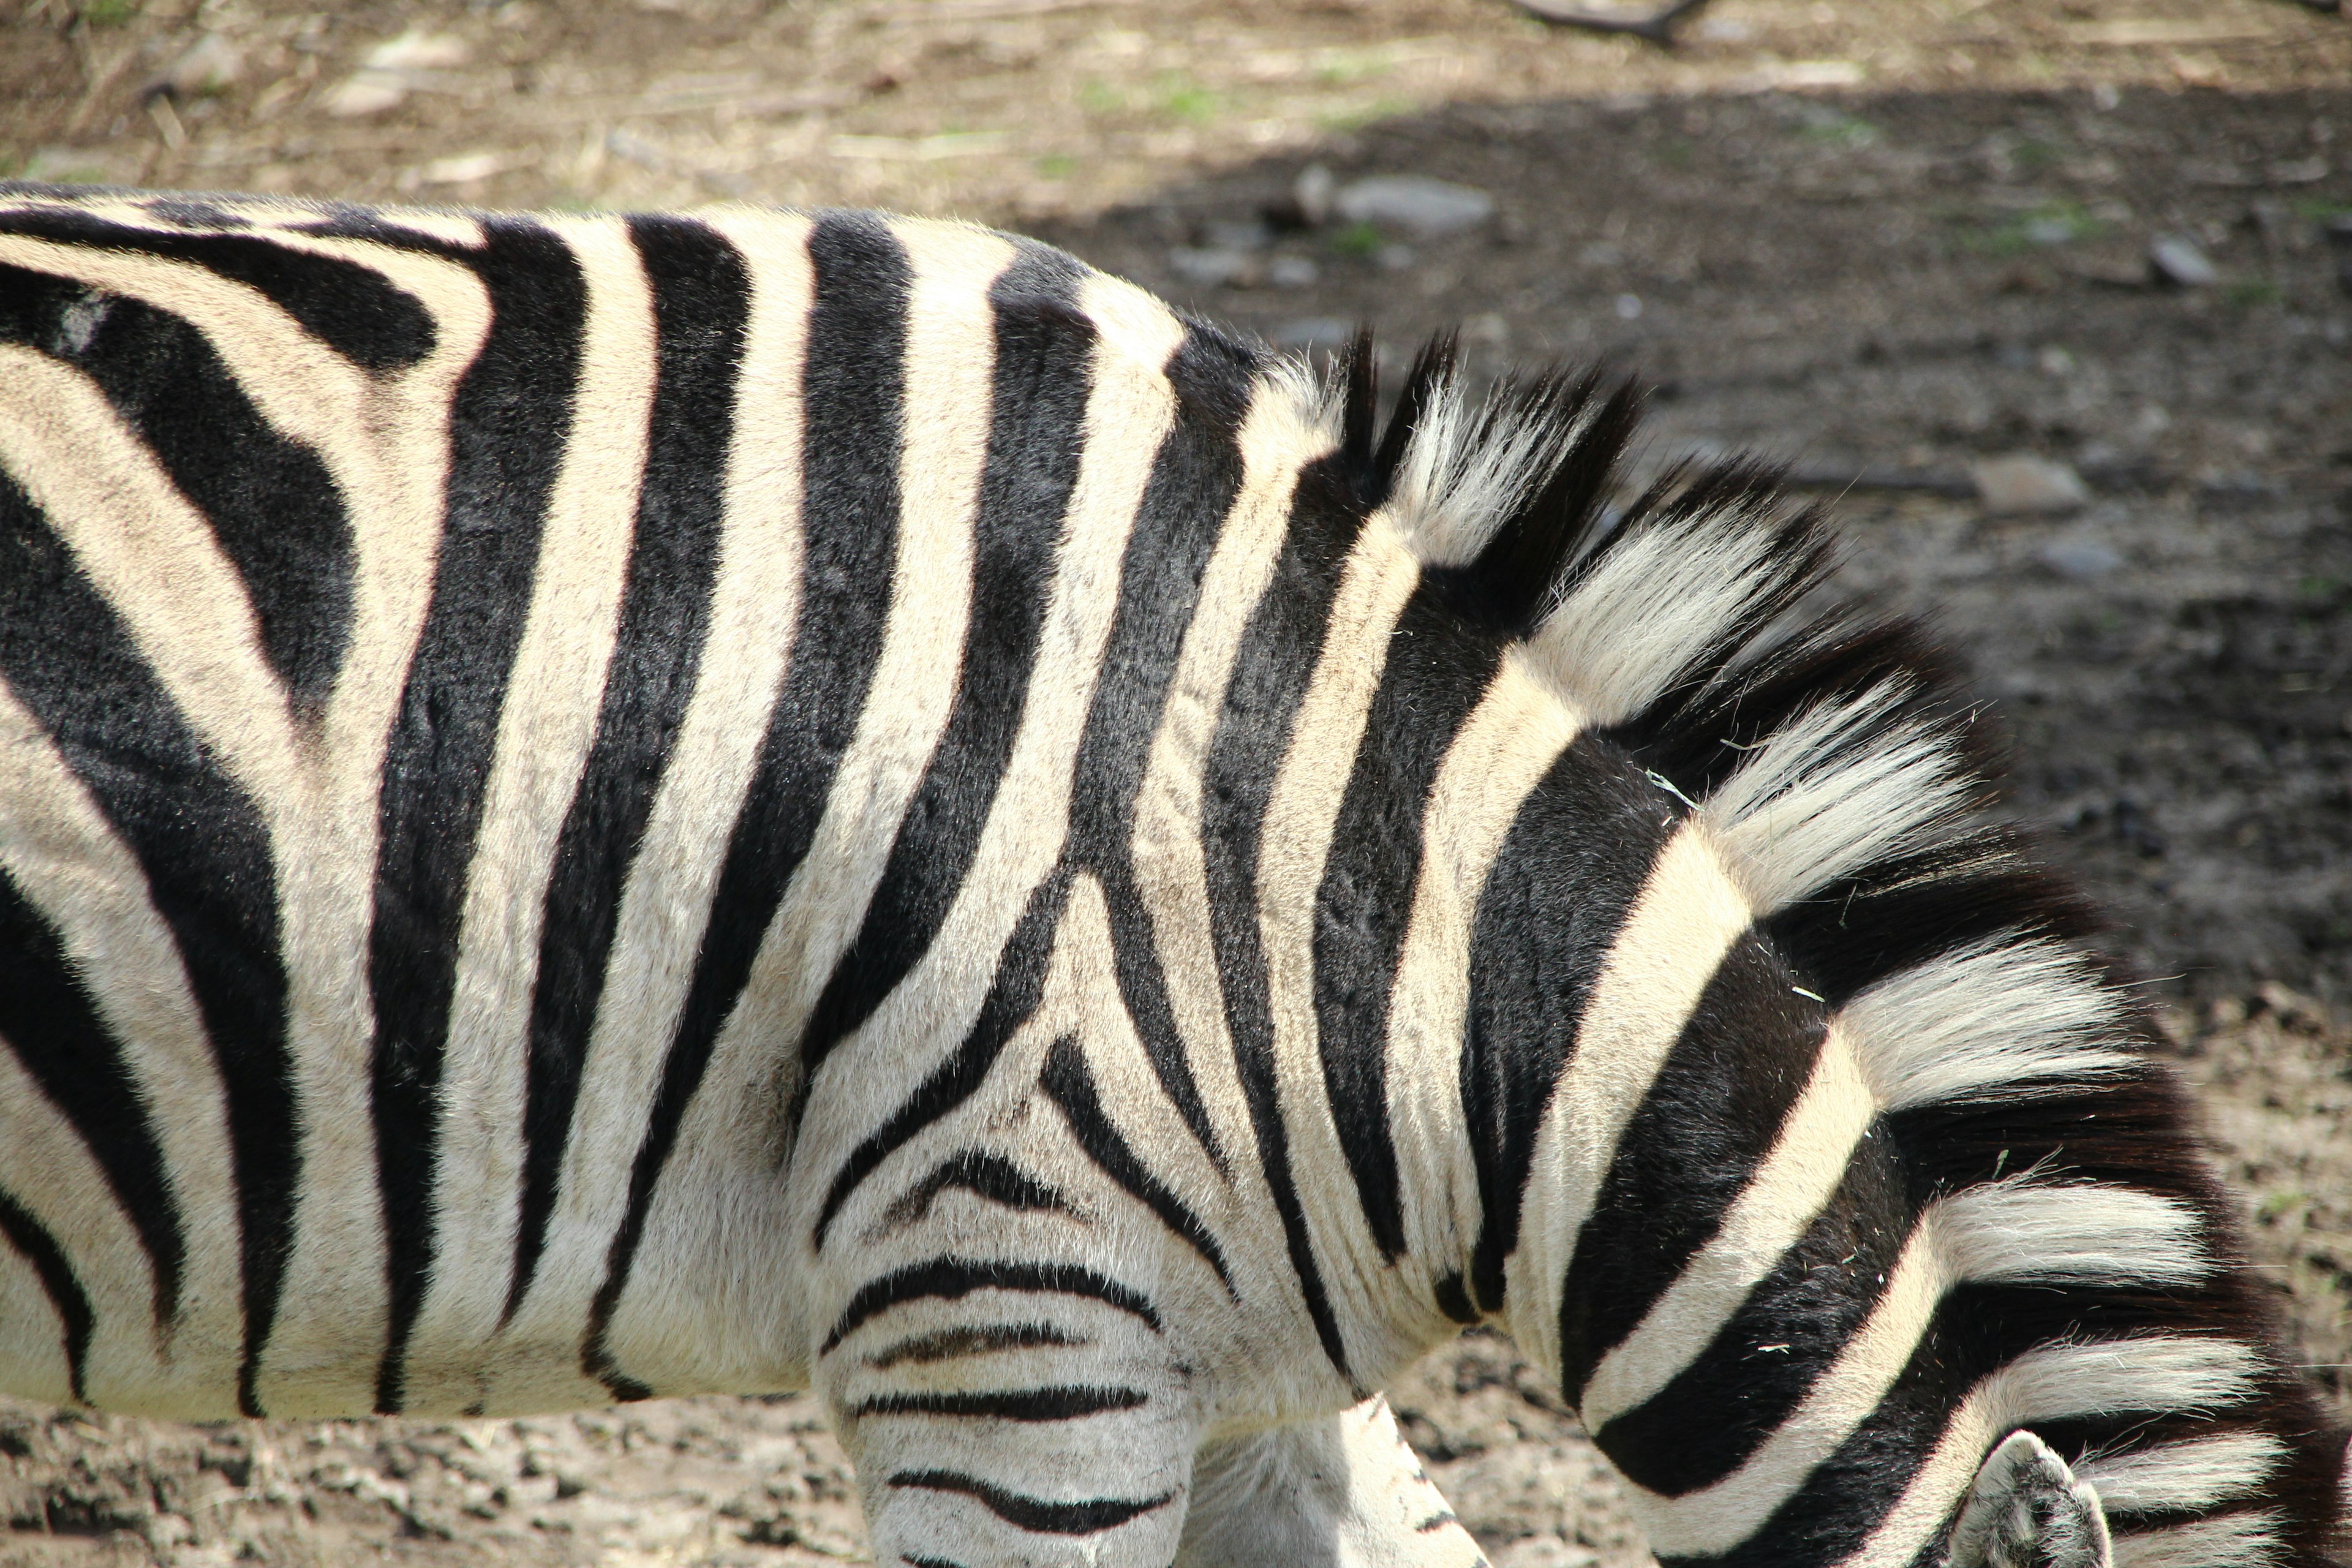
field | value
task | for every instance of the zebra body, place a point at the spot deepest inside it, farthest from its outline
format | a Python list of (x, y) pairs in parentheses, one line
[(601, 808)]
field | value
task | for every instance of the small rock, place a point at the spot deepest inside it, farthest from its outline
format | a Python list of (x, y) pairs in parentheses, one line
[(2079, 560), (1314, 191), (208, 65), (367, 92), (2173, 259), (386, 76), (1395, 257), (1293, 272), (1415, 203), (1213, 268), (415, 51), (1629, 307), (1248, 234), (1313, 332), (2010, 487)]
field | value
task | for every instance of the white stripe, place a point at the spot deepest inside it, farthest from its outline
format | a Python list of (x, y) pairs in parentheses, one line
[(2233, 1540), (545, 728), (61, 853), (2188, 1476), (1278, 436), (1656, 602), (1302, 810), (686, 1320), (2059, 1382), (1991, 1016), (1812, 803), (2069, 1233), (1685, 920), (1790, 1188), (1501, 752)]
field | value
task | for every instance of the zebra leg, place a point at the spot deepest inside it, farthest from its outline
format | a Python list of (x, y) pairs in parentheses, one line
[(1338, 1491), (1008, 1437)]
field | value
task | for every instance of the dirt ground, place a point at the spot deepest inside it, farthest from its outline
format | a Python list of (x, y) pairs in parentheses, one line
[(1884, 243)]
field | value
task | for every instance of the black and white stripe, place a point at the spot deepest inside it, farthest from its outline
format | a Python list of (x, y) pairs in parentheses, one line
[(597, 807)]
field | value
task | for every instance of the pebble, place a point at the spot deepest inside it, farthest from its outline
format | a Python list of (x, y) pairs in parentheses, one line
[(1245, 234), (1212, 267), (2174, 259), (208, 65), (383, 79), (1415, 203), (2079, 560), (1313, 193), (1395, 257), (1292, 272), (2016, 486)]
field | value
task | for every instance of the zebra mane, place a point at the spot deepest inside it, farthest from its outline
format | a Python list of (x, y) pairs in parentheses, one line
[(1844, 775)]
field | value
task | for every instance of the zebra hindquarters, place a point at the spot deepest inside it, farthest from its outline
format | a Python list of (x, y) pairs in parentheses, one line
[(1336, 1491)]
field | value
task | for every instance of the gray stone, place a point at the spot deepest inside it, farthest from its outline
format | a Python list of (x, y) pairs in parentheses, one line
[(208, 65), (2079, 560), (1313, 192), (2176, 259), (1293, 272), (1415, 203), (2020, 485), (1212, 268), (1245, 234)]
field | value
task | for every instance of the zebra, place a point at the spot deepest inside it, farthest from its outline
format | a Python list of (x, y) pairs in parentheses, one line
[(597, 807)]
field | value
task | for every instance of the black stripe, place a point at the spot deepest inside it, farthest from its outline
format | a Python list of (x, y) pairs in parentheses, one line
[(353, 308), (953, 1278), (852, 391), (1194, 479), (506, 426), (702, 297), (1709, 1119), (1044, 346), (1034, 1514), (1437, 671), (1569, 871), (953, 1345), (919, 1562), (276, 513), (1270, 677), (53, 1027), (1976, 1329), (207, 854), (40, 1248), (1908, 910), (1070, 1086), (1012, 998), (984, 1173), (1060, 1403), (1711, 1416)]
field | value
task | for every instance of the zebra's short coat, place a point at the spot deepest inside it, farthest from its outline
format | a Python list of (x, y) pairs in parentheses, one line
[(596, 807)]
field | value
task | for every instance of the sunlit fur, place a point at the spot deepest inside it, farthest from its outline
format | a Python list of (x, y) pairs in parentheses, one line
[(596, 807)]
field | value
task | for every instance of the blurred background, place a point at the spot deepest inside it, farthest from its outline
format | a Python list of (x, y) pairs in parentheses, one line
[(2050, 301)]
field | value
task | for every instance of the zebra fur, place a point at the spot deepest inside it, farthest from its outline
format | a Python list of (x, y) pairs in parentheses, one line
[(601, 808)]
